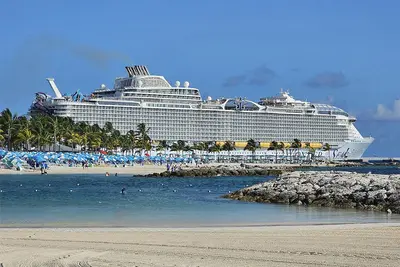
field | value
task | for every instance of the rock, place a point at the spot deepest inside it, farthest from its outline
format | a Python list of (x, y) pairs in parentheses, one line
[(358, 197), (285, 196), (221, 170), (310, 199), (357, 188), (328, 189)]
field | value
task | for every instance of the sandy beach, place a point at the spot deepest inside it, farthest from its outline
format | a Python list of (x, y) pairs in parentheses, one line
[(137, 169), (319, 245)]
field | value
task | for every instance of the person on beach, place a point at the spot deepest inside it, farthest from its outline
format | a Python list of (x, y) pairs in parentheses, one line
[(43, 168)]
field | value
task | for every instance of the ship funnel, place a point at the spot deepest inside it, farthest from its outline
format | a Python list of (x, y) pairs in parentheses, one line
[(54, 87), (137, 71)]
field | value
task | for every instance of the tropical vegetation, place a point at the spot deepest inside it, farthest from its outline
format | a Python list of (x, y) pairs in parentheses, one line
[(45, 132), (51, 133)]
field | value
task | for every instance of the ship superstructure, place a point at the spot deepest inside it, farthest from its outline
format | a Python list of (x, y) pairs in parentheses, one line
[(176, 112)]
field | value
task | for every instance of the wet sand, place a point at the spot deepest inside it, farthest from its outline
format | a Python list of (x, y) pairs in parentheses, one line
[(320, 245)]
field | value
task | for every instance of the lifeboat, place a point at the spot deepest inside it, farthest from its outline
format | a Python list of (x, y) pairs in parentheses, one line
[(265, 144), (240, 144)]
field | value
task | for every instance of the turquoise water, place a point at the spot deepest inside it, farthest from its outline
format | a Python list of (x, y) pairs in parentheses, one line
[(95, 200)]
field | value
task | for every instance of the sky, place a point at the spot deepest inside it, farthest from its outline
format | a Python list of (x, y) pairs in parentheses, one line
[(341, 52)]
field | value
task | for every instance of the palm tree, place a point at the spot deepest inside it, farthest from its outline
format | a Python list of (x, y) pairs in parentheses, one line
[(74, 139), (84, 130), (1, 137), (179, 146), (199, 146), (274, 146), (115, 140), (188, 148), (281, 146), (124, 142), (217, 149), (228, 146), (42, 136), (67, 126), (92, 134), (203, 146), (251, 146), (132, 137), (55, 124), (162, 146), (327, 147), (94, 140), (144, 139), (25, 136), (9, 124), (296, 144), (311, 151), (108, 127)]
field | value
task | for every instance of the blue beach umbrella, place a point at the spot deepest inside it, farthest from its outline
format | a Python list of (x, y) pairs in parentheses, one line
[(39, 158), (16, 161)]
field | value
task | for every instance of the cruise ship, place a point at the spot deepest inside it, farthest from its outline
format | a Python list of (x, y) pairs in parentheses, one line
[(178, 112)]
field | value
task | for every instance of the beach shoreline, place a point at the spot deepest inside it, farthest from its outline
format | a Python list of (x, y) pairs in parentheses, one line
[(300, 245), (233, 226), (138, 169), (54, 169)]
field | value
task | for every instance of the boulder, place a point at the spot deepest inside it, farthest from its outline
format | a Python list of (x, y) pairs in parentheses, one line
[(328, 189)]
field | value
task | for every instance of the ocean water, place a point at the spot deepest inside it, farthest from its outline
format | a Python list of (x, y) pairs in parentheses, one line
[(96, 200)]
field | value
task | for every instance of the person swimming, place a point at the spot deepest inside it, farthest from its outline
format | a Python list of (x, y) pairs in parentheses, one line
[(107, 174), (123, 191)]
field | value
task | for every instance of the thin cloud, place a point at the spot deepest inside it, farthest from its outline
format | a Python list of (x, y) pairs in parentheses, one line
[(259, 76), (234, 81), (89, 53), (36, 58), (387, 113), (328, 80)]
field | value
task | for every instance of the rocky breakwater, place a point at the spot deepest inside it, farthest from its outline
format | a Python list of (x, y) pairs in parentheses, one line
[(328, 189), (222, 170)]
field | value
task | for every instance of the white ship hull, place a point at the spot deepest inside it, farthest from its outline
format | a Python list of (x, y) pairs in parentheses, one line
[(343, 151), (353, 149)]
